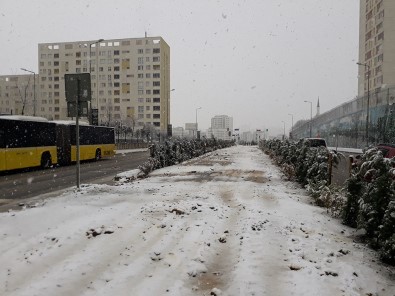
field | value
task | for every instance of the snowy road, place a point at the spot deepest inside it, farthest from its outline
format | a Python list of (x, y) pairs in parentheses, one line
[(224, 223)]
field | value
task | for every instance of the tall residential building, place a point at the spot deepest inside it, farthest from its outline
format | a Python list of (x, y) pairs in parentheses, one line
[(221, 127), (222, 122), (17, 94), (376, 45), (130, 79)]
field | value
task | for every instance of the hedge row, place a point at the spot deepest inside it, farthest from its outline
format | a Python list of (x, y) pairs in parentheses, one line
[(176, 151), (368, 199)]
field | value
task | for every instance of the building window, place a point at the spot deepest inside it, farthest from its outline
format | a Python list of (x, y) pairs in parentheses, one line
[(156, 123), (156, 83), (148, 67), (147, 59), (156, 100), (116, 69), (116, 76), (155, 59), (156, 75), (140, 109), (116, 100), (147, 108), (156, 108), (140, 61), (141, 75), (148, 100), (156, 50), (148, 50), (140, 85), (140, 51), (140, 116), (56, 56), (140, 92), (141, 100), (116, 52), (140, 68), (148, 92), (156, 91), (156, 67), (116, 61), (156, 116), (147, 115), (147, 75)]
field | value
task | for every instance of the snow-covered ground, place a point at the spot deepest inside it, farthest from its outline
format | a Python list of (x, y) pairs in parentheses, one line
[(225, 223)]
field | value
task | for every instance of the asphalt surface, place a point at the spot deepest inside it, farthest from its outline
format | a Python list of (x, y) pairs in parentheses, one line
[(19, 188)]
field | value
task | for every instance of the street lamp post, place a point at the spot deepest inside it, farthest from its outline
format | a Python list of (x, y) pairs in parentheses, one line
[(284, 129), (34, 89), (368, 102), (197, 120), (311, 115), (90, 70), (292, 121)]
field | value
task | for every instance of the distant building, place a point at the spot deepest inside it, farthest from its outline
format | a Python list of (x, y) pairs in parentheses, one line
[(190, 130), (178, 132), (376, 45), (130, 79), (17, 94), (221, 127), (246, 137)]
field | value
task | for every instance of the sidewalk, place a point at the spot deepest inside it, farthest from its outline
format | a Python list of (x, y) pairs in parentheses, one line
[(225, 223)]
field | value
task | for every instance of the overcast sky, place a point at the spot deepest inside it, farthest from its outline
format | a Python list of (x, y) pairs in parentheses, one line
[(254, 60)]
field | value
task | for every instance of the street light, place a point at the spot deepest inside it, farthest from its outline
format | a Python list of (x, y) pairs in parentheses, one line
[(311, 115), (284, 129), (292, 126), (196, 120), (367, 107), (34, 89), (90, 70)]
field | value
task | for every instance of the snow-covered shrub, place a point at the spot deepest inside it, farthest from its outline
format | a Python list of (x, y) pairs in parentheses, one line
[(354, 188), (177, 151), (387, 234), (377, 196)]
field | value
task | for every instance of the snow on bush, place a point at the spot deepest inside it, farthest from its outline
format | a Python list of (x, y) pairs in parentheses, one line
[(176, 151), (369, 194)]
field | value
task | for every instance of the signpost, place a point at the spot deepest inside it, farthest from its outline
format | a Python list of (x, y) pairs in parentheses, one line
[(78, 93)]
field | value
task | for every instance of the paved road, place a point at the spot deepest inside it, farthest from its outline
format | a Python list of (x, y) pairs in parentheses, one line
[(22, 187)]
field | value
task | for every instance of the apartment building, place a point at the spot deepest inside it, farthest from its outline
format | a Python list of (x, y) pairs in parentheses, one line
[(221, 127), (17, 94), (130, 79), (376, 45)]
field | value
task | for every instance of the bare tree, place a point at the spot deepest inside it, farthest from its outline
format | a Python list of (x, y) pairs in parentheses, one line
[(24, 94)]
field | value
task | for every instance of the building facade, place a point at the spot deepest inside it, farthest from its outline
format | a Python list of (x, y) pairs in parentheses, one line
[(17, 94), (130, 80), (369, 118), (376, 45), (221, 127)]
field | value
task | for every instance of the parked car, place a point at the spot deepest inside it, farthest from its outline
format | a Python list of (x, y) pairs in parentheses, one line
[(388, 150), (316, 142)]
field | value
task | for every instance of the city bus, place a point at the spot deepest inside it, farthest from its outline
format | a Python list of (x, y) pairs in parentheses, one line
[(27, 142)]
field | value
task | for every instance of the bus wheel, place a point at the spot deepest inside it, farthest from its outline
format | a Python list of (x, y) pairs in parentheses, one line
[(98, 154), (46, 161)]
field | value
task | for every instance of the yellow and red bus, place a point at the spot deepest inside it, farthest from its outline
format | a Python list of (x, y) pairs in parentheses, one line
[(27, 141)]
